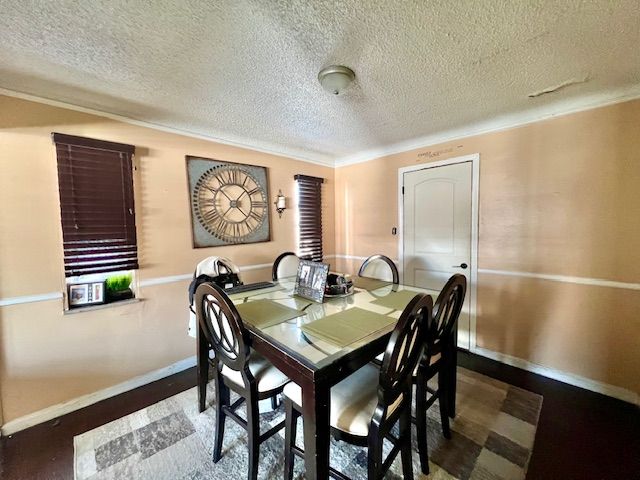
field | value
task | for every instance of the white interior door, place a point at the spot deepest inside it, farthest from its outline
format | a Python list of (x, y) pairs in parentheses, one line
[(437, 206)]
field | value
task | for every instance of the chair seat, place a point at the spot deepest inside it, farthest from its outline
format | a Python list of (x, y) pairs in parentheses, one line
[(353, 400), (267, 376)]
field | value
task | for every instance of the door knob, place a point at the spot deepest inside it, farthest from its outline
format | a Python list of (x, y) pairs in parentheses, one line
[(462, 266)]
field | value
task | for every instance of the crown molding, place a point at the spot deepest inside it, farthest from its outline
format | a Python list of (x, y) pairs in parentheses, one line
[(231, 140), (500, 123)]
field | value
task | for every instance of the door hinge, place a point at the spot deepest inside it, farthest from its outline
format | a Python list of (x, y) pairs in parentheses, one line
[(403, 189)]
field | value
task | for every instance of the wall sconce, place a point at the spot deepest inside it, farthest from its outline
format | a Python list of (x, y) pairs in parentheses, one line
[(280, 203)]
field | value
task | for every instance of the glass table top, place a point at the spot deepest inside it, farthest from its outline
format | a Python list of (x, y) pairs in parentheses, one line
[(318, 351)]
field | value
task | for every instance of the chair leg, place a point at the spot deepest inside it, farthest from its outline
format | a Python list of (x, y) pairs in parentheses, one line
[(405, 438), (222, 399), (374, 464), (443, 400), (203, 374), (253, 430), (203, 371), (274, 402), (421, 423), (452, 380), (291, 424)]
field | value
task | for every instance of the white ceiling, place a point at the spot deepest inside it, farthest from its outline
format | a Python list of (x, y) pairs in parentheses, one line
[(245, 71)]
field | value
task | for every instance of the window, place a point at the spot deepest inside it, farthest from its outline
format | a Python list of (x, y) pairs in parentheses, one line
[(310, 216), (96, 204)]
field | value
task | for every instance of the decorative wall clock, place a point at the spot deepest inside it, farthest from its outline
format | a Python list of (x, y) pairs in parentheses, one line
[(229, 202)]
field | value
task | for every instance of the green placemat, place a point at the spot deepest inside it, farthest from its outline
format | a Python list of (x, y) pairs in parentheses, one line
[(395, 300), (346, 327), (369, 283), (266, 313)]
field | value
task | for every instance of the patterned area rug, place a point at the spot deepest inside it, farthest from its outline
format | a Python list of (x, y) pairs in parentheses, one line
[(493, 435)]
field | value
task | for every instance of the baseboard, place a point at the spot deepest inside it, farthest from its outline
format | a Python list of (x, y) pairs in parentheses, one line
[(60, 409), (570, 378)]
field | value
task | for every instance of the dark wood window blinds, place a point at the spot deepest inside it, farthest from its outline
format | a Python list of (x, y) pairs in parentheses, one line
[(96, 203), (310, 216)]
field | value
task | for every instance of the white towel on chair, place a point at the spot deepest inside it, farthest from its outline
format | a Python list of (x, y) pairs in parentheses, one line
[(214, 266)]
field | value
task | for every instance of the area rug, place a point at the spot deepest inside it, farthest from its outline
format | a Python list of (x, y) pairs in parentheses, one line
[(493, 435)]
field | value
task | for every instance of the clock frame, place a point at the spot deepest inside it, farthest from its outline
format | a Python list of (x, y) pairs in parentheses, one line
[(229, 202)]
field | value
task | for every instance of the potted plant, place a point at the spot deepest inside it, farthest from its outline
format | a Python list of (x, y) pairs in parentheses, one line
[(118, 287)]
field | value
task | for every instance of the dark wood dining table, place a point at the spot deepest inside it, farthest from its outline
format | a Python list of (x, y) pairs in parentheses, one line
[(315, 363)]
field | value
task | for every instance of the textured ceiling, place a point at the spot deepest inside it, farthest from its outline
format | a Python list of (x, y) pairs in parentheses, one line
[(245, 71)]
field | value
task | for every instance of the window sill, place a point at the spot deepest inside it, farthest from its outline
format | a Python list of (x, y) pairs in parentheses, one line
[(90, 308)]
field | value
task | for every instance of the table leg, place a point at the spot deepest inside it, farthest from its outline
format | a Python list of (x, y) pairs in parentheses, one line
[(315, 406)]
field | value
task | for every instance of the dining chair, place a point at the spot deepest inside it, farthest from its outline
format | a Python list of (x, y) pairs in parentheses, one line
[(285, 265), (439, 358), (219, 270), (235, 368), (365, 406), (380, 267)]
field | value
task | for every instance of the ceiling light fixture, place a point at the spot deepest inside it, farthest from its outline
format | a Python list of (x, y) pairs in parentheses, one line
[(336, 78)]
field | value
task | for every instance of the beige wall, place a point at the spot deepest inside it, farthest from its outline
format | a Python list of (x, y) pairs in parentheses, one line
[(47, 357), (556, 197)]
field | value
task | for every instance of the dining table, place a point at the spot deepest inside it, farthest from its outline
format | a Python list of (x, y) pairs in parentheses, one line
[(319, 344)]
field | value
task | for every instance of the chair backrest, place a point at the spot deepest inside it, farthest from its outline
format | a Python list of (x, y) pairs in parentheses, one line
[(404, 349), (286, 265), (447, 309), (222, 326), (380, 267)]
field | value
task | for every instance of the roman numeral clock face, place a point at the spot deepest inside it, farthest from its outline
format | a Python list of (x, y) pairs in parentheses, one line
[(229, 203)]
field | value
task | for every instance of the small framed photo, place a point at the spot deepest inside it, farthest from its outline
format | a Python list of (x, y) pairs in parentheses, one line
[(311, 280), (81, 294), (98, 292)]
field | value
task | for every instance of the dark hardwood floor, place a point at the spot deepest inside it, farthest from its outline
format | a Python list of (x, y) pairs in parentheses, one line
[(581, 435), (46, 450)]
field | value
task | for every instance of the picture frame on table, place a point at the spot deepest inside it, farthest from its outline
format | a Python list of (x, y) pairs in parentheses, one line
[(311, 280), (81, 294)]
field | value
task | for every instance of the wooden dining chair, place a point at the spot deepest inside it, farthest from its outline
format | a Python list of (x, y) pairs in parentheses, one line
[(235, 368), (439, 358), (365, 406), (285, 265), (380, 267)]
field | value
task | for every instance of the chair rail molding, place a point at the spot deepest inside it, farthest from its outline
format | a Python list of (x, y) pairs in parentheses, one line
[(599, 282), (42, 297), (358, 257), (147, 282)]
